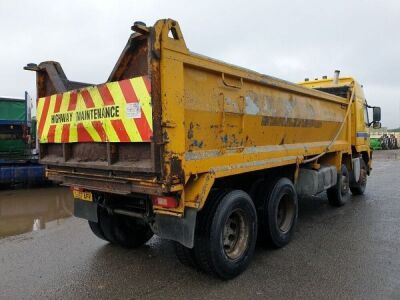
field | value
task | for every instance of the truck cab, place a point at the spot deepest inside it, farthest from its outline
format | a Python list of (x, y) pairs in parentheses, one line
[(360, 111)]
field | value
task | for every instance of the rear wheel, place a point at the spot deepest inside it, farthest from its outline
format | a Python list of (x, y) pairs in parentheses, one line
[(185, 255), (226, 234), (278, 216), (338, 195), (130, 232), (359, 187), (106, 224), (95, 227), (122, 230)]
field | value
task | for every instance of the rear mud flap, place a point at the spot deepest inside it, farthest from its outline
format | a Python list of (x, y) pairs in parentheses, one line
[(86, 210), (177, 229)]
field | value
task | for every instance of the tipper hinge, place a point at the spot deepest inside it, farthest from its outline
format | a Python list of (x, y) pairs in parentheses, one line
[(168, 124)]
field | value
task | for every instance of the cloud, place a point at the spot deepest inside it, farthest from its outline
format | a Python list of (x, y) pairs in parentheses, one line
[(287, 39)]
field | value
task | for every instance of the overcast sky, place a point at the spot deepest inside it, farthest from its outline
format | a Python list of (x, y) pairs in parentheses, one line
[(287, 39)]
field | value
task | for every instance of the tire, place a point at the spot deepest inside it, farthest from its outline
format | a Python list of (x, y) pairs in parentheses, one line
[(106, 225), (122, 230), (185, 255), (278, 213), (95, 227), (359, 187), (130, 232), (255, 191), (338, 195), (101, 228), (226, 234)]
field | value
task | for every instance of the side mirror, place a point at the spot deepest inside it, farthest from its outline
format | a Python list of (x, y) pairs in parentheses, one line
[(376, 114), (376, 125)]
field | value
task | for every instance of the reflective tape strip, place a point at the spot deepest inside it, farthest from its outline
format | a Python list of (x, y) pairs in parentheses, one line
[(114, 112), (73, 98), (134, 102), (87, 98), (133, 133), (57, 106), (65, 133), (106, 95), (60, 136), (91, 130), (98, 126), (58, 133), (362, 134), (83, 135), (143, 97), (51, 133), (111, 134), (50, 108), (42, 109), (73, 133), (120, 130), (96, 97)]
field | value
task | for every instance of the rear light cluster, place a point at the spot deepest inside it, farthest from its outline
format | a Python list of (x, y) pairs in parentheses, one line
[(74, 188), (164, 201)]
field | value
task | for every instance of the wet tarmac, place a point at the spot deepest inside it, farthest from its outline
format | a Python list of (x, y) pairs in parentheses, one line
[(34, 209), (351, 252)]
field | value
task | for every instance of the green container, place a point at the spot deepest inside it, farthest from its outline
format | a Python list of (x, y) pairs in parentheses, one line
[(13, 122), (13, 146), (12, 110), (375, 144)]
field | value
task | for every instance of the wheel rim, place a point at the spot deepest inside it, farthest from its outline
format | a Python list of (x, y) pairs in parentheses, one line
[(285, 214), (344, 183), (363, 177), (236, 234)]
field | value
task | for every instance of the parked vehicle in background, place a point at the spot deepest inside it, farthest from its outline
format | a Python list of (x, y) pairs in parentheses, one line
[(375, 144), (384, 141), (18, 150), (388, 142), (198, 151)]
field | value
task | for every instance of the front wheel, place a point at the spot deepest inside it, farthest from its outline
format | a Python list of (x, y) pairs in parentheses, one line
[(358, 188), (226, 234), (338, 195)]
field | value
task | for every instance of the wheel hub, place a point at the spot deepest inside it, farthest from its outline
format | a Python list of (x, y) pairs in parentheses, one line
[(345, 184), (363, 177), (235, 234), (285, 214)]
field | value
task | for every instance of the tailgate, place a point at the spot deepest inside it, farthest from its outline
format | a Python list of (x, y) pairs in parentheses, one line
[(116, 112), (111, 129), (108, 126)]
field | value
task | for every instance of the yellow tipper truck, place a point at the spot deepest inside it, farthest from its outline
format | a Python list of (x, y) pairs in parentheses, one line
[(198, 151)]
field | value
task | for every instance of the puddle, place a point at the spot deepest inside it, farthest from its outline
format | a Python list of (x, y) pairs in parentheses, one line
[(33, 209)]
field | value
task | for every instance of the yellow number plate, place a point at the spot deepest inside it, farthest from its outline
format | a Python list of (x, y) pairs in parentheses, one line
[(87, 196)]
